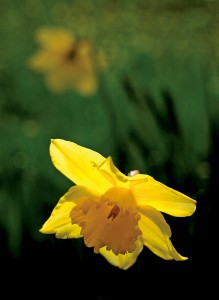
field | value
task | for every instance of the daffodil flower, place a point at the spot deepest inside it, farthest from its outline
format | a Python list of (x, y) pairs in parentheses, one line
[(66, 62), (115, 214)]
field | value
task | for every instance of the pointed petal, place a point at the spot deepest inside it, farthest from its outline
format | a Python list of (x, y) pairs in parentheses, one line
[(59, 223), (54, 39), (79, 164), (122, 261), (165, 199), (43, 61), (56, 80), (86, 85), (156, 234), (113, 174)]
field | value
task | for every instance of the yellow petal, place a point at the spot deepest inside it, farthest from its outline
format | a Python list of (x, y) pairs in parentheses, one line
[(109, 169), (56, 81), (59, 223), (54, 39), (68, 76), (78, 164), (43, 61), (87, 85), (122, 261), (156, 234), (85, 69), (165, 199)]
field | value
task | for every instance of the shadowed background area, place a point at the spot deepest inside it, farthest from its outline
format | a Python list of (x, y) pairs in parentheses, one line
[(155, 109)]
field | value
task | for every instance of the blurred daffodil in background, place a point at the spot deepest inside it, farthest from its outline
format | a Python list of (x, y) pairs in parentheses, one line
[(67, 62), (115, 214)]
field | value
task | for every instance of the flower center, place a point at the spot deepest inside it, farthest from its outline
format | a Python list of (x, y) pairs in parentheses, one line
[(71, 54), (112, 221), (114, 212)]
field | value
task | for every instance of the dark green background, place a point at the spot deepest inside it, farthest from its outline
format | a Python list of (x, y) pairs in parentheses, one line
[(156, 110)]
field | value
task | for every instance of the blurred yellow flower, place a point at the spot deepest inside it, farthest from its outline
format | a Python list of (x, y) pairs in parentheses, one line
[(67, 63), (115, 214)]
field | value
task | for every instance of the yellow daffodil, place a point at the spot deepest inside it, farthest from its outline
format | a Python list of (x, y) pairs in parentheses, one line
[(66, 63), (115, 214)]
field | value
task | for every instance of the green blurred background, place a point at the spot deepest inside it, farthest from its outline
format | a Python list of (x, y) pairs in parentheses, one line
[(156, 110)]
